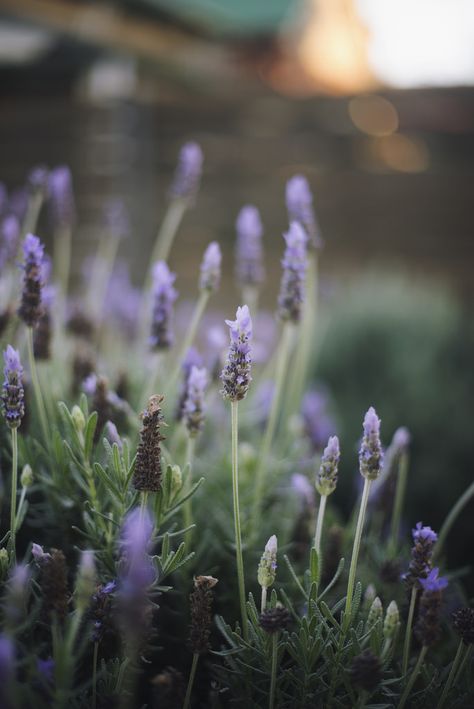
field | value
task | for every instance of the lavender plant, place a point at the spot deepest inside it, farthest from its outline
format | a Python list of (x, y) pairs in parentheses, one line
[(112, 541)]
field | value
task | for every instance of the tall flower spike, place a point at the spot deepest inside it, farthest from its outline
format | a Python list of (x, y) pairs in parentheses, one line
[(61, 197), (211, 268), (249, 253), (421, 555), (193, 408), (370, 454), (299, 203), (201, 619), (188, 172), (147, 473), (326, 480), (192, 358), (427, 625), (31, 308), (13, 394), (291, 296), (268, 564), (236, 376), (164, 295)]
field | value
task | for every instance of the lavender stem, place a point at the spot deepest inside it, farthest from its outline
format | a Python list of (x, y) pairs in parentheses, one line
[(319, 523), (168, 229), (238, 533), (192, 674), (14, 434), (36, 386), (413, 677), (188, 510), (451, 518), (190, 335), (355, 552), (398, 504), (452, 673), (407, 643)]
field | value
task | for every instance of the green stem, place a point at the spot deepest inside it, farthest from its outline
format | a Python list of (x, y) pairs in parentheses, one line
[(32, 214), (238, 533), (463, 664), (168, 230), (271, 701), (188, 510), (101, 271), (413, 677), (355, 553), (451, 518), (452, 674), (250, 298), (398, 504), (280, 375), (20, 507), (14, 433), (62, 260), (407, 643), (263, 603), (192, 674), (94, 675), (37, 387), (190, 335), (319, 523)]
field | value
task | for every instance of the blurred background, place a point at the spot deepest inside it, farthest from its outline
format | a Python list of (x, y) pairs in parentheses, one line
[(372, 100)]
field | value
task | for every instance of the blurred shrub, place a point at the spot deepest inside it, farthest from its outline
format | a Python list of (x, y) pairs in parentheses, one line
[(409, 351)]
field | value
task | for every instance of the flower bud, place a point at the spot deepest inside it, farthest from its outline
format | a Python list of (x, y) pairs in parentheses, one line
[(375, 612), (326, 480), (78, 419), (176, 480), (27, 477), (391, 622), (267, 566)]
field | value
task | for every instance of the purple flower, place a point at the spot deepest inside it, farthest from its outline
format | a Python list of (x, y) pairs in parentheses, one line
[(299, 203), (434, 582), (401, 439), (31, 308), (291, 295), (116, 218), (370, 453), (112, 435), (38, 553), (303, 488), (7, 662), (193, 408), (211, 268), (318, 425), (326, 480), (18, 203), (13, 394), (236, 376), (61, 197), (188, 172), (10, 234), (164, 295), (249, 252), (122, 301), (137, 572), (46, 669), (192, 358), (38, 179), (424, 534)]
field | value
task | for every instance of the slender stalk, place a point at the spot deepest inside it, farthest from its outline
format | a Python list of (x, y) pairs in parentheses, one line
[(452, 674), (451, 518), (33, 210), (20, 507), (94, 675), (306, 334), (464, 661), (362, 700), (355, 552), (250, 298), (168, 230), (143, 504), (407, 643), (101, 271), (263, 603), (271, 701), (62, 259), (36, 386), (187, 508), (319, 523), (190, 335), (413, 677), (280, 375), (238, 533), (14, 433), (192, 674), (398, 504)]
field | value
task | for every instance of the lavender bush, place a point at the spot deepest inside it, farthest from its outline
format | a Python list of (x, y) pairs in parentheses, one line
[(168, 540)]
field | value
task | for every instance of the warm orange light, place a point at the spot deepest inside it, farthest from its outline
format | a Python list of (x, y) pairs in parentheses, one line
[(373, 115)]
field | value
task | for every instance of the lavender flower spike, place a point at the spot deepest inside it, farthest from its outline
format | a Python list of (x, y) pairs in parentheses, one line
[(13, 393), (326, 480), (164, 295), (268, 563), (31, 308), (211, 268), (370, 454), (61, 197), (236, 376), (188, 172), (193, 409), (429, 611), (291, 295), (299, 203), (249, 252), (421, 555)]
